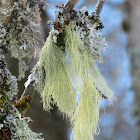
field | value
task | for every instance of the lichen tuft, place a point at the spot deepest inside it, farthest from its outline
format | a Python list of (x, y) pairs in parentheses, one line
[(55, 82)]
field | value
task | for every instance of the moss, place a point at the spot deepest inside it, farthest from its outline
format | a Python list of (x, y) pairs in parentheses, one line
[(5, 133), (23, 103), (3, 98)]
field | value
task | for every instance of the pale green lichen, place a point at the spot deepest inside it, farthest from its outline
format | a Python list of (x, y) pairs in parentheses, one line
[(82, 61), (86, 116), (55, 82), (8, 82), (3, 43), (59, 79), (19, 127)]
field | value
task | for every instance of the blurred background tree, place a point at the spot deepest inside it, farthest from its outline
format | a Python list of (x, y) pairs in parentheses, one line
[(133, 19)]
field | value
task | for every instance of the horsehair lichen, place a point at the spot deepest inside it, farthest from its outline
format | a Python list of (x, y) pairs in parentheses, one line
[(12, 125), (20, 23), (55, 76)]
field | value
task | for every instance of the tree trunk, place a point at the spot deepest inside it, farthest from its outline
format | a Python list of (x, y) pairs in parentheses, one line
[(133, 11)]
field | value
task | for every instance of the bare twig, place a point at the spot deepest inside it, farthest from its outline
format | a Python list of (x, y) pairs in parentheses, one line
[(99, 7), (70, 4), (29, 90)]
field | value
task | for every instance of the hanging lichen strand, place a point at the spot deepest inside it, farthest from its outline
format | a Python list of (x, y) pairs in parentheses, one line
[(86, 116), (68, 64), (56, 78), (82, 59)]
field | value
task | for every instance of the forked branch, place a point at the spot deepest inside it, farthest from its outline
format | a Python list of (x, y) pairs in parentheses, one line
[(29, 90)]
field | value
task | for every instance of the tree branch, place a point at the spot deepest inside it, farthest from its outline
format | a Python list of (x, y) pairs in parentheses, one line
[(99, 7), (29, 90), (27, 96), (70, 4)]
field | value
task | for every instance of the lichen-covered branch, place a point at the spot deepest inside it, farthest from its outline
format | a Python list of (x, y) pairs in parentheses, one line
[(70, 4), (99, 7), (12, 124), (68, 58), (18, 35), (29, 89)]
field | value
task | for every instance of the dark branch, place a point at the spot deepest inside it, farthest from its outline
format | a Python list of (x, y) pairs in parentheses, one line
[(70, 4), (99, 7)]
